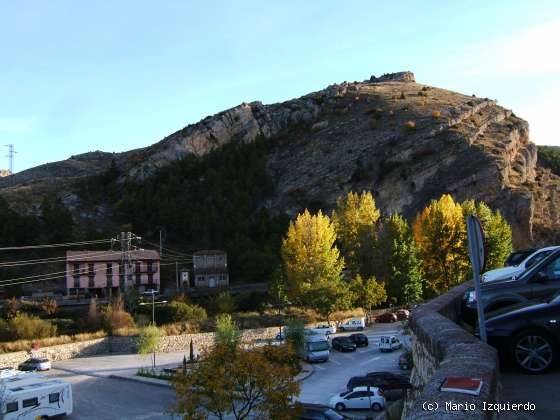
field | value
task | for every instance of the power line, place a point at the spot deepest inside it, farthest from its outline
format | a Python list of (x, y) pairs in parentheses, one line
[(69, 244), (170, 251), (53, 259)]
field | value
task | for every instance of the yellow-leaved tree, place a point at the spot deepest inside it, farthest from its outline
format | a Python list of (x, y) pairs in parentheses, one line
[(312, 263), (355, 219), (440, 232)]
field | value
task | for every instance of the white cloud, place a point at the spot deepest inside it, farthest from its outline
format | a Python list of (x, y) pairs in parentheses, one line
[(542, 113), (15, 125)]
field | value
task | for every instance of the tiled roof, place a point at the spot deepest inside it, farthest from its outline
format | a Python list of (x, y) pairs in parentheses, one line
[(142, 254)]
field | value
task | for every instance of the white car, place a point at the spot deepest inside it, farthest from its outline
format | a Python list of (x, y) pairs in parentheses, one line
[(389, 343), (509, 272), (360, 398), (325, 329)]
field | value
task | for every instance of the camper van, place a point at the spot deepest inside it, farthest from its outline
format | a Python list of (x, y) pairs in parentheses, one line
[(315, 348), (29, 395)]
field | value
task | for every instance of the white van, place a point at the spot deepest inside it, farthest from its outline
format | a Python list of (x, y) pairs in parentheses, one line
[(29, 395), (316, 348), (354, 324), (389, 343)]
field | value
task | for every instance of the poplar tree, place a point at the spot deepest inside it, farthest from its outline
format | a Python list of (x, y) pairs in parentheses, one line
[(355, 219)]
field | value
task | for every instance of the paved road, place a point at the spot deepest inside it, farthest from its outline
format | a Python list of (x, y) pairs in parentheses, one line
[(96, 396), (114, 399), (331, 377)]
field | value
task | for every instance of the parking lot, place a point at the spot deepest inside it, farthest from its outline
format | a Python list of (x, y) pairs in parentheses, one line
[(331, 377)]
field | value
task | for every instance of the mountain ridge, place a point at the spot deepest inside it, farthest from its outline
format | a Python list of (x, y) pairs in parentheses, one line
[(407, 142)]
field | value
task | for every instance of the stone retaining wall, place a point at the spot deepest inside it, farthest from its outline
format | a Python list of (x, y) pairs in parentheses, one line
[(109, 345), (442, 348)]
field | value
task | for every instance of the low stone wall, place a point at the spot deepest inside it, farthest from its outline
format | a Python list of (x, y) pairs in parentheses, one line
[(109, 345), (441, 348)]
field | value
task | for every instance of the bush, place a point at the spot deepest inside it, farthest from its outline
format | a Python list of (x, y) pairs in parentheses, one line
[(49, 306), (224, 303), (115, 317), (25, 327), (185, 312)]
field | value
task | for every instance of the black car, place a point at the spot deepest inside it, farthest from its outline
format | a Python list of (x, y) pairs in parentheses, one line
[(343, 344), (384, 380), (540, 282), (528, 332), (359, 339), (517, 256), (317, 411)]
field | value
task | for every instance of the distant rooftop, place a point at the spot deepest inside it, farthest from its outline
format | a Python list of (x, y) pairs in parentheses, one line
[(141, 254), (210, 252)]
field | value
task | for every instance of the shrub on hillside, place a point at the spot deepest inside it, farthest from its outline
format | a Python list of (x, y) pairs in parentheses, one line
[(49, 306)]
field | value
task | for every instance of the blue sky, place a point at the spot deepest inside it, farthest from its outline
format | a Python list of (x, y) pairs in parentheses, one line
[(112, 76)]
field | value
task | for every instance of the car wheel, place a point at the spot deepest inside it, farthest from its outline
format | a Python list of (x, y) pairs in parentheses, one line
[(376, 407), (339, 407), (534, 351)]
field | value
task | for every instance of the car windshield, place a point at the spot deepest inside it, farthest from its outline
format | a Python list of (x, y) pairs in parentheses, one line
[(531, 270), (318, 346)]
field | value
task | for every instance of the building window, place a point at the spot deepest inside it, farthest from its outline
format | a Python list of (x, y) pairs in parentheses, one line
[(12, 406), (150, 267), (76, 269), (31, 402), (109, 274), (54, 397), (91, 271)]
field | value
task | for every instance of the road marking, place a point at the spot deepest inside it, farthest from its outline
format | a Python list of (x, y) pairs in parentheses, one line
[(319, 367), (370, 360), (336, 362)]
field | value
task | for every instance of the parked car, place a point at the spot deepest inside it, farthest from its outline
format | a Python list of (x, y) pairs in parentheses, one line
[(361, 398), (383, 380), (528, 332), (405, 360), (315, 349), (403, 314), (326, 328), (515, 270), (353, 324), (359, 339), (318, 412), (343, 344), (35, 363), (386, 317), (389, 343), (517, 256), (540, 282)]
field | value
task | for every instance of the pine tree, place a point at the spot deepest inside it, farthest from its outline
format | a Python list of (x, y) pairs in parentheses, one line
[(440, 232), (397, 262), (355, 219)]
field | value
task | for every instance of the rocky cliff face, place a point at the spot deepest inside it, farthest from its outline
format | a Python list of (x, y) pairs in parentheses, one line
[(407, 142)]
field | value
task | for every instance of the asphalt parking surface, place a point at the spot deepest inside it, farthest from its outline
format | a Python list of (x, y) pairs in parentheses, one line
[(331, 377)]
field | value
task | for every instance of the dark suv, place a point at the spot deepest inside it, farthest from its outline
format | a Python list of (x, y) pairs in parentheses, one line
[(540, 282)]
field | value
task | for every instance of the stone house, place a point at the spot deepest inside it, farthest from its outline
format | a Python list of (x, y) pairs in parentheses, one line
[(210, 269)]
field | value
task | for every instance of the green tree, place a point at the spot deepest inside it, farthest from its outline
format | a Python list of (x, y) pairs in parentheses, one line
[(243, 384), (440, 232), (227, 332), (367, 293), (397, 263), (57, 222), (497, 233), (294, 333), (355, 219), (148, 342), (311, 259)]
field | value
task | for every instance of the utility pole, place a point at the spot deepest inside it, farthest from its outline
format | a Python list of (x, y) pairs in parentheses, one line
[(160, 246), (125, 241), (10, 156), (177, 275)]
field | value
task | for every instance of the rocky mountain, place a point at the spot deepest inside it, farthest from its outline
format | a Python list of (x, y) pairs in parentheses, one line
[(407, 142)]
